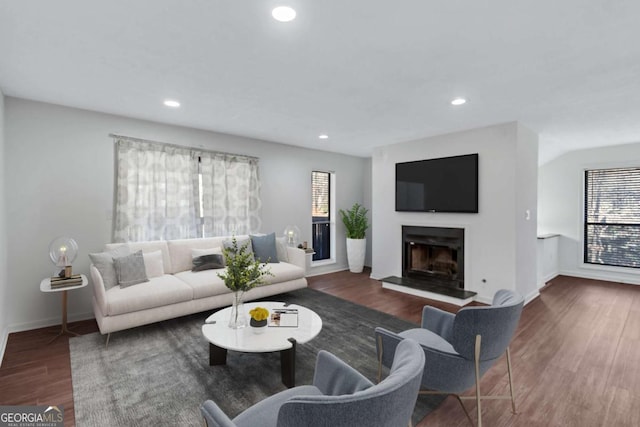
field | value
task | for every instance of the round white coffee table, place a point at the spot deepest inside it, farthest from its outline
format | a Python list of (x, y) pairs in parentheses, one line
[(283, 339)]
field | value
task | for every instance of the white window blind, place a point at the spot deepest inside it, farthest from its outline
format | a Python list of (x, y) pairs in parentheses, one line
[(320, 192), (612, 217)]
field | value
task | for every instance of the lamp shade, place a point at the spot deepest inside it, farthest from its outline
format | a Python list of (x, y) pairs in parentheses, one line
[(63, 251), (292, 235)]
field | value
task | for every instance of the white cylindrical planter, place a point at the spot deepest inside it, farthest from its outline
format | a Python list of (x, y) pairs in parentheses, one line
[(356, 248)]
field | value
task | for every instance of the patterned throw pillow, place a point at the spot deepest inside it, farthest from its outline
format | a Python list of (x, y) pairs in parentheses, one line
[(130, 269), (208, 262)]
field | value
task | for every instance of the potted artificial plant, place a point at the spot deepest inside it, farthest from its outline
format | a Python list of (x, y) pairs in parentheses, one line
[(356, 223), (259, 319)]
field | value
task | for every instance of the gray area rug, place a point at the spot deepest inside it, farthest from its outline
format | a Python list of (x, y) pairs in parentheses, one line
[(159, 374)]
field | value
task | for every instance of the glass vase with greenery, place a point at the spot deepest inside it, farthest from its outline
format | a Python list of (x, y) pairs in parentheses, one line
[(243, 273)]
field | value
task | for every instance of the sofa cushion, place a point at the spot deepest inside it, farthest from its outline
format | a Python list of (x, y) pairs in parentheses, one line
[(181, 251), (130, 269), (204, 283), (157, 292), (153, 264), (264, 248), (103, 261)]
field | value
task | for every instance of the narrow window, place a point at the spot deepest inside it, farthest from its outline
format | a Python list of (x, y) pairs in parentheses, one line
[(612, 217), (321, 214)]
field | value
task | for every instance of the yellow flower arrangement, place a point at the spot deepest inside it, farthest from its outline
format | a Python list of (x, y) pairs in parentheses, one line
[(259, 313)]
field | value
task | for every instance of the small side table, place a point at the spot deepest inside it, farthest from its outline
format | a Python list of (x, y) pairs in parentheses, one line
[(309, 253), (45, 286)]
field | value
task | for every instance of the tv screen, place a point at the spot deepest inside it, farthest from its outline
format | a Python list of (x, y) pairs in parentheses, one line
[(448, 184)]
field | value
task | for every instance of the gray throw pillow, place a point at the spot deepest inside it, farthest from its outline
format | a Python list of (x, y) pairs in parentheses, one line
[(208, 262), (103, 261), (241, 242), (264, 248), (130, 269)]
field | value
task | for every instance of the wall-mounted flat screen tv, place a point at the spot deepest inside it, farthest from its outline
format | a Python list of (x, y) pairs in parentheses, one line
[(448, 184)]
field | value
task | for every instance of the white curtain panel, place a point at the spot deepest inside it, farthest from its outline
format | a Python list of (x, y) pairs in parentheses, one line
[(156, 192), (166, 192), (230, 194)]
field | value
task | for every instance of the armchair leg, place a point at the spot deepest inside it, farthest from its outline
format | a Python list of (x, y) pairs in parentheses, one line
[(106, 345), (513, 400), (464, 409), (477, 363), (379, 358)]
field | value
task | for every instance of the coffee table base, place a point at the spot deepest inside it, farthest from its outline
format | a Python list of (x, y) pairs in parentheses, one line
[(218, 356)]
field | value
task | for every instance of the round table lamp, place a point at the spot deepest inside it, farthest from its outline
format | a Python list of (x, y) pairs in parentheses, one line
[(63, 251), (292, 235)]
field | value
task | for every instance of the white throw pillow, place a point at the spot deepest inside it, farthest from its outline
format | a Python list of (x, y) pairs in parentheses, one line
[(153, 264), (281, 248)]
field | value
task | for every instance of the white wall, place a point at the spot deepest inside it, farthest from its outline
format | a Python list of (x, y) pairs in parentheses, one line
[(494, 252), (561, 192), (526, 212), (367, 204), (61, 169), (4, 302)]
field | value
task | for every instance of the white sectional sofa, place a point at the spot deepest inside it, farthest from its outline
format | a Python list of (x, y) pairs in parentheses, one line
[(179, 291)]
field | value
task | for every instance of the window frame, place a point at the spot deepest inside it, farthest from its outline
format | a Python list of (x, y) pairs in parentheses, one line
[(584, 235), (332, 216)]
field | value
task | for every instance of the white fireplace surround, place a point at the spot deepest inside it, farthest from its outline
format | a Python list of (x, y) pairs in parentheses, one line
[(500, 240)]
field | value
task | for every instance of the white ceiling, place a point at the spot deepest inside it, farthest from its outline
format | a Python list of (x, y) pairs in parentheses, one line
[(366, 72)]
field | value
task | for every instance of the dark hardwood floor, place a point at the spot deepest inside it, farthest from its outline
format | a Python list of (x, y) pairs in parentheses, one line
[(576, 356)]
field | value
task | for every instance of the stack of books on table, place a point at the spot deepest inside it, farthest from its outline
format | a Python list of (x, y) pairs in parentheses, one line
[(61, 282)]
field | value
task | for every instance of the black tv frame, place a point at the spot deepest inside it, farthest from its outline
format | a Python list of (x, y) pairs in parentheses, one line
[(473, 209)]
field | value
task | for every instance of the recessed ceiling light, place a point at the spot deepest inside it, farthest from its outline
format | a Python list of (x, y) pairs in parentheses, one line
[(171, 103), (283, 14), (323, 136), (458, 101)]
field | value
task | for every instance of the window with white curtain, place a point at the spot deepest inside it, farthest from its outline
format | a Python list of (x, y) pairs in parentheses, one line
[(168, 192), (230, 194)]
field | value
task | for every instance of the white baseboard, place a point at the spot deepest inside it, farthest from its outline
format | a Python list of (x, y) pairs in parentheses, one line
[(3, 342), (547, 278), (51, 321), (328, 271), (531, 296), (600, 275)]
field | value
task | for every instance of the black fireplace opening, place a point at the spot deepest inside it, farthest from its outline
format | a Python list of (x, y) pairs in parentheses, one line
[(434, 254)]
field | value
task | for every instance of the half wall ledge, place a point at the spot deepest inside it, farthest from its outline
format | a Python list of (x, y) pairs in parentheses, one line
[(424, 289)]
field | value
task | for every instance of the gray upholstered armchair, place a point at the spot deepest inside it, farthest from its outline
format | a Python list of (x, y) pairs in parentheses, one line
[(339, 396), (459, 348)]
